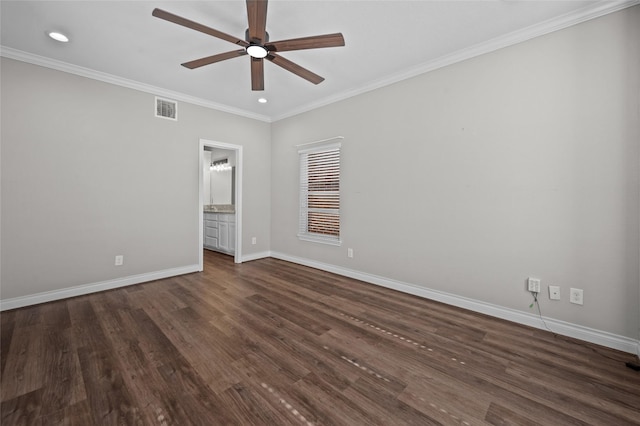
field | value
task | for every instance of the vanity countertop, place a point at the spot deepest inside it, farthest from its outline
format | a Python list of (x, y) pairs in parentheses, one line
[(219, 208)]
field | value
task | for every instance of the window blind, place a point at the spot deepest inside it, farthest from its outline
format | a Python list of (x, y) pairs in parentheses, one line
[(320, 194)]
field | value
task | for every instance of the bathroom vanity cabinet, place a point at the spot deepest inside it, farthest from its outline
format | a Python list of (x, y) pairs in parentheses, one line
[(220, 232)]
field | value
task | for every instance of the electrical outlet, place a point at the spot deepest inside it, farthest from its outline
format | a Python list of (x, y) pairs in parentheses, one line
[(119, 260), (349, 252), (554, 292), (533, 285), (576, 296), (254, 240)]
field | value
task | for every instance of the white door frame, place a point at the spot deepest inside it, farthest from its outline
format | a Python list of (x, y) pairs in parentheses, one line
[(238, 197)]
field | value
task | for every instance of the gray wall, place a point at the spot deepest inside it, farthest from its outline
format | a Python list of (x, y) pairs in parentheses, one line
[(468, 179), (79, 185)]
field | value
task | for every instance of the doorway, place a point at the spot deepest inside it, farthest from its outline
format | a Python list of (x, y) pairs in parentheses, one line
[(236, 196)]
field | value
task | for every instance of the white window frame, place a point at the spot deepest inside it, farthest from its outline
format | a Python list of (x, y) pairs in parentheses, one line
[(303, 233)]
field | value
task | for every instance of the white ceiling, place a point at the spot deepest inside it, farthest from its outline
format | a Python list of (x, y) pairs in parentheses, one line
[(386, 41)]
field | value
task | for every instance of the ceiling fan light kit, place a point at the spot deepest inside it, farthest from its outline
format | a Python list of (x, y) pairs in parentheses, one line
[(257, 44), (257, 51)]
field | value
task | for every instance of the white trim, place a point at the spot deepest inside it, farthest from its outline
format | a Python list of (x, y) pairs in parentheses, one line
[(256, 256), (237, 258), (324, 146), (555, 24), (42, 61), (321, 141), (599, 337), (318, 238), (81, 290)]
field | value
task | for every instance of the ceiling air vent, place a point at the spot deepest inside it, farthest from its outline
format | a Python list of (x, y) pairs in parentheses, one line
[(166, 108)]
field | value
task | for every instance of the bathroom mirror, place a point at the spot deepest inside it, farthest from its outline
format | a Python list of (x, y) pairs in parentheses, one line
[(219, 177)]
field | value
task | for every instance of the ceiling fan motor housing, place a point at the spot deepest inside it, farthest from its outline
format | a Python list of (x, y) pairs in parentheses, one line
[(258, 42)]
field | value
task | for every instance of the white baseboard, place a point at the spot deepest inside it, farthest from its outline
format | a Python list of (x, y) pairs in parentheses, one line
[(256, 256), (599, 337), (48, 296)]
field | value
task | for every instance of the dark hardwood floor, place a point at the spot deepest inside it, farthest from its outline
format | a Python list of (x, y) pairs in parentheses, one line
[(273, 343)]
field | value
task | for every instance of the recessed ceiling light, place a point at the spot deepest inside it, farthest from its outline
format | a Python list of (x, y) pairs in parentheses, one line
[(262, 100), (58, 36)]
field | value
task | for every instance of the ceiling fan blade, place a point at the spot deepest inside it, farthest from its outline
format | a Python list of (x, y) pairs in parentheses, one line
[(167, 16), (257, 74), (295, 68), (313, 42), (257, 14), (213, 59)]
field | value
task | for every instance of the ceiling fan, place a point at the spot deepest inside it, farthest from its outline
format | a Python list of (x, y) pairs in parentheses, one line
[(257, 45)]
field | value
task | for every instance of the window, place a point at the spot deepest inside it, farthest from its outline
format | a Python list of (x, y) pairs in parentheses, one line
[(320, 194)]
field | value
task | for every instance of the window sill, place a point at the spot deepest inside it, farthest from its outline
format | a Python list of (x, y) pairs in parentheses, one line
[(332, 241)]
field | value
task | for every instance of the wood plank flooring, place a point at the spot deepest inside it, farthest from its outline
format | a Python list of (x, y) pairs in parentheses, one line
[(274, 343)]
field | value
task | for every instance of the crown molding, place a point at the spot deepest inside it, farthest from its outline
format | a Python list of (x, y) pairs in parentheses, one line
[(587, 13), (42, 61)]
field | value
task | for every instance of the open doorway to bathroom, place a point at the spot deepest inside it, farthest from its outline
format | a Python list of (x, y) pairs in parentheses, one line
[(220, 201)]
